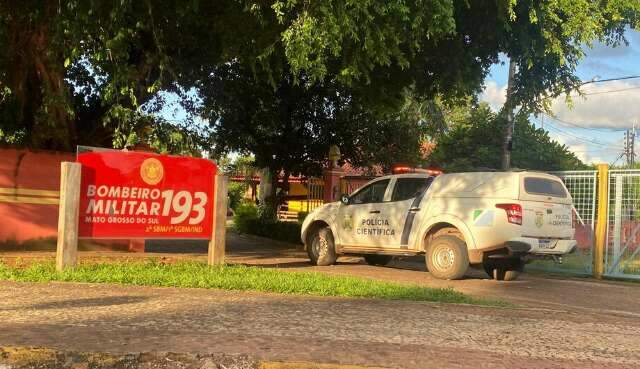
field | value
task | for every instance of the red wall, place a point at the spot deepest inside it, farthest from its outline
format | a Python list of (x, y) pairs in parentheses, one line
[(22, 169), (22, 221)]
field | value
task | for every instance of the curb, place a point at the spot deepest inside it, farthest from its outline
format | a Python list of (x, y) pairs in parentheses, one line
[(310, 365), (18, 357)]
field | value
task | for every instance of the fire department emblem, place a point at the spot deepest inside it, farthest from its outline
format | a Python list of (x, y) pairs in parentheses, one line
[(347, 223), (151, 171), (539, 220)]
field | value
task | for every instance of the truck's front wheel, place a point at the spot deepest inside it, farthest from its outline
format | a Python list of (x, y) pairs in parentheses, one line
[(321, 249), (447, 257)]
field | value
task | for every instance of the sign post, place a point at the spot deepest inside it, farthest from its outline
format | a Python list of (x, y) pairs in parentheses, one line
[(67, 245), (217, 242)]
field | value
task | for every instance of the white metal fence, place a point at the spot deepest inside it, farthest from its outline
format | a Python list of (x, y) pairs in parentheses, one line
[(583, 188), (622, 254)]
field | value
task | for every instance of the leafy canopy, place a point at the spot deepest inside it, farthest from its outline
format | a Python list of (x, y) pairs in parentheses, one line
[(476, 143)]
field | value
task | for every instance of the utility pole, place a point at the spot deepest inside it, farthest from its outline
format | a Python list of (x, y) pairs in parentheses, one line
[(633, 145), (629, 145), (507, 145)]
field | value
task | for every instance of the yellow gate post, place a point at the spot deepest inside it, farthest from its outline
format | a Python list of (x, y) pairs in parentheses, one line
[(602, 221)]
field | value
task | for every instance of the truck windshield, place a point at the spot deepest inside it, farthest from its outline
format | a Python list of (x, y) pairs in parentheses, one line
[(544, 186)]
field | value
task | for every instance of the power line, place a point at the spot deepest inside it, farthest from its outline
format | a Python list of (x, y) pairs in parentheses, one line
[(580, 138), (609, 91), (615, 161), (608, 80), (582, 127)]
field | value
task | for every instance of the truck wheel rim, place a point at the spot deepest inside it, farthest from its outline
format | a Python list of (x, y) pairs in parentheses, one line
[(319, 246), (443, 258)]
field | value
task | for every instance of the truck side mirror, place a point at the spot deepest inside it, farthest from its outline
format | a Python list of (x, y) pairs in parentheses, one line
[(344, 199)]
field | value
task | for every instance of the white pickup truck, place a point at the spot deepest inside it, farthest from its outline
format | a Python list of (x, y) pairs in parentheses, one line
[(493, 220)]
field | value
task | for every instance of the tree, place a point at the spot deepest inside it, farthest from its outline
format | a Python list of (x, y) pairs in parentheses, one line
[(87, 71), (476, 144), (291, 127)]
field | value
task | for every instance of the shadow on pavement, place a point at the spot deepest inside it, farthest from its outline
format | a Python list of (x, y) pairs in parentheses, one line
[(90, 302)]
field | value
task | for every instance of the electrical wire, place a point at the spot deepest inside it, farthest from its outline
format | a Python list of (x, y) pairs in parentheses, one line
[(582, 127), (609, 80), (615, 161), (609, 145), (609, 91)]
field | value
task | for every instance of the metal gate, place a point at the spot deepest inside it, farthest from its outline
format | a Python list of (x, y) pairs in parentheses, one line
[(622, 254), (315, 193), (582, 186)]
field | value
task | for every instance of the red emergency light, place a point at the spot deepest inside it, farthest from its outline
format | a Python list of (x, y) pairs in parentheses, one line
[(402, 169)]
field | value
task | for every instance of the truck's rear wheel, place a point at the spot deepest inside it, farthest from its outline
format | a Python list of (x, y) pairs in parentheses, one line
[(377, 259), (503, 269), (322, 250), (447, 257)]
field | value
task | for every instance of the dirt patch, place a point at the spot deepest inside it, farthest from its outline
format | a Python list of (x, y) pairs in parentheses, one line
[(41, 358)]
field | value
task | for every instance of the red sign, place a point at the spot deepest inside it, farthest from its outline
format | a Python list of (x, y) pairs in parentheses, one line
[(145, 195)]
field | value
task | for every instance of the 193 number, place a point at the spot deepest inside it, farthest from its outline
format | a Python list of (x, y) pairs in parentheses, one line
[(183, 204)]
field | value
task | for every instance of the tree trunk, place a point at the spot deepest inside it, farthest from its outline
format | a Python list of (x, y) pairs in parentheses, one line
[(36, 79)]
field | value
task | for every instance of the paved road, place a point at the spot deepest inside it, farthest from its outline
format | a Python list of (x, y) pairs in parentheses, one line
[(585, 295), (108, 318)]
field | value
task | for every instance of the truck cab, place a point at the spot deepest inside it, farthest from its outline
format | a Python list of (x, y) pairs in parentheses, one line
[(493, 220)]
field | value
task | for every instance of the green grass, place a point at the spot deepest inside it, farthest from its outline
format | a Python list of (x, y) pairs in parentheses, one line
[(234, 277)]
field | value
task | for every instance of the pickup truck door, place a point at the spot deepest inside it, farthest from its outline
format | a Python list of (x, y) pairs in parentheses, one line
[(355, 219), (404, 206), (373, 223)]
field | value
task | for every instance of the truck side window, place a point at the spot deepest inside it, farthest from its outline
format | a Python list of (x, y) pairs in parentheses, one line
[(371, 193), (407, 188)]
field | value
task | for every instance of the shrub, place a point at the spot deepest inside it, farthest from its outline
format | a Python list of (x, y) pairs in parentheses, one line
[(236, 192), (247, 220), (244, 214)]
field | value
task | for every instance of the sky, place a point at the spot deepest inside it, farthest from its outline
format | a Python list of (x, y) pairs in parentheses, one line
[(594, 126)]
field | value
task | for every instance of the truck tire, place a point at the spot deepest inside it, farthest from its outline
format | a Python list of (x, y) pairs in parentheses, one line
[(503, 270), (322, 250), (373, 259), (447, 257)]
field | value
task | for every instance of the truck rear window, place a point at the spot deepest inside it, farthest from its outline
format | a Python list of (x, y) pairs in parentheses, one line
[(544, 186)]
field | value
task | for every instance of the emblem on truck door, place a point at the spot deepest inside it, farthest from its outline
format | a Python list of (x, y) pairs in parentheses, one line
[(347, 222), (539, 219)]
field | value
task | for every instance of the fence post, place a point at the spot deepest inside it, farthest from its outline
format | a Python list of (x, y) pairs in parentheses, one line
[(217, 242), (602, 221), (67, 244)]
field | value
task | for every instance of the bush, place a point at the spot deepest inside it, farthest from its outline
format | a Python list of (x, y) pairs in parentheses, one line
[(244, 213), (236, 192), (247, 220)]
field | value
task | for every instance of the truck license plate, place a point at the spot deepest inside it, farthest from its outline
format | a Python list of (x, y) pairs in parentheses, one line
[(546, 244)]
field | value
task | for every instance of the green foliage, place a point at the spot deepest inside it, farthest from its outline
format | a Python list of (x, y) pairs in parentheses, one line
[(248, 219), (245, 213), (93, 73), (236, 192), (476, 143), (293, 125), (237, 278), (275, 229)]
